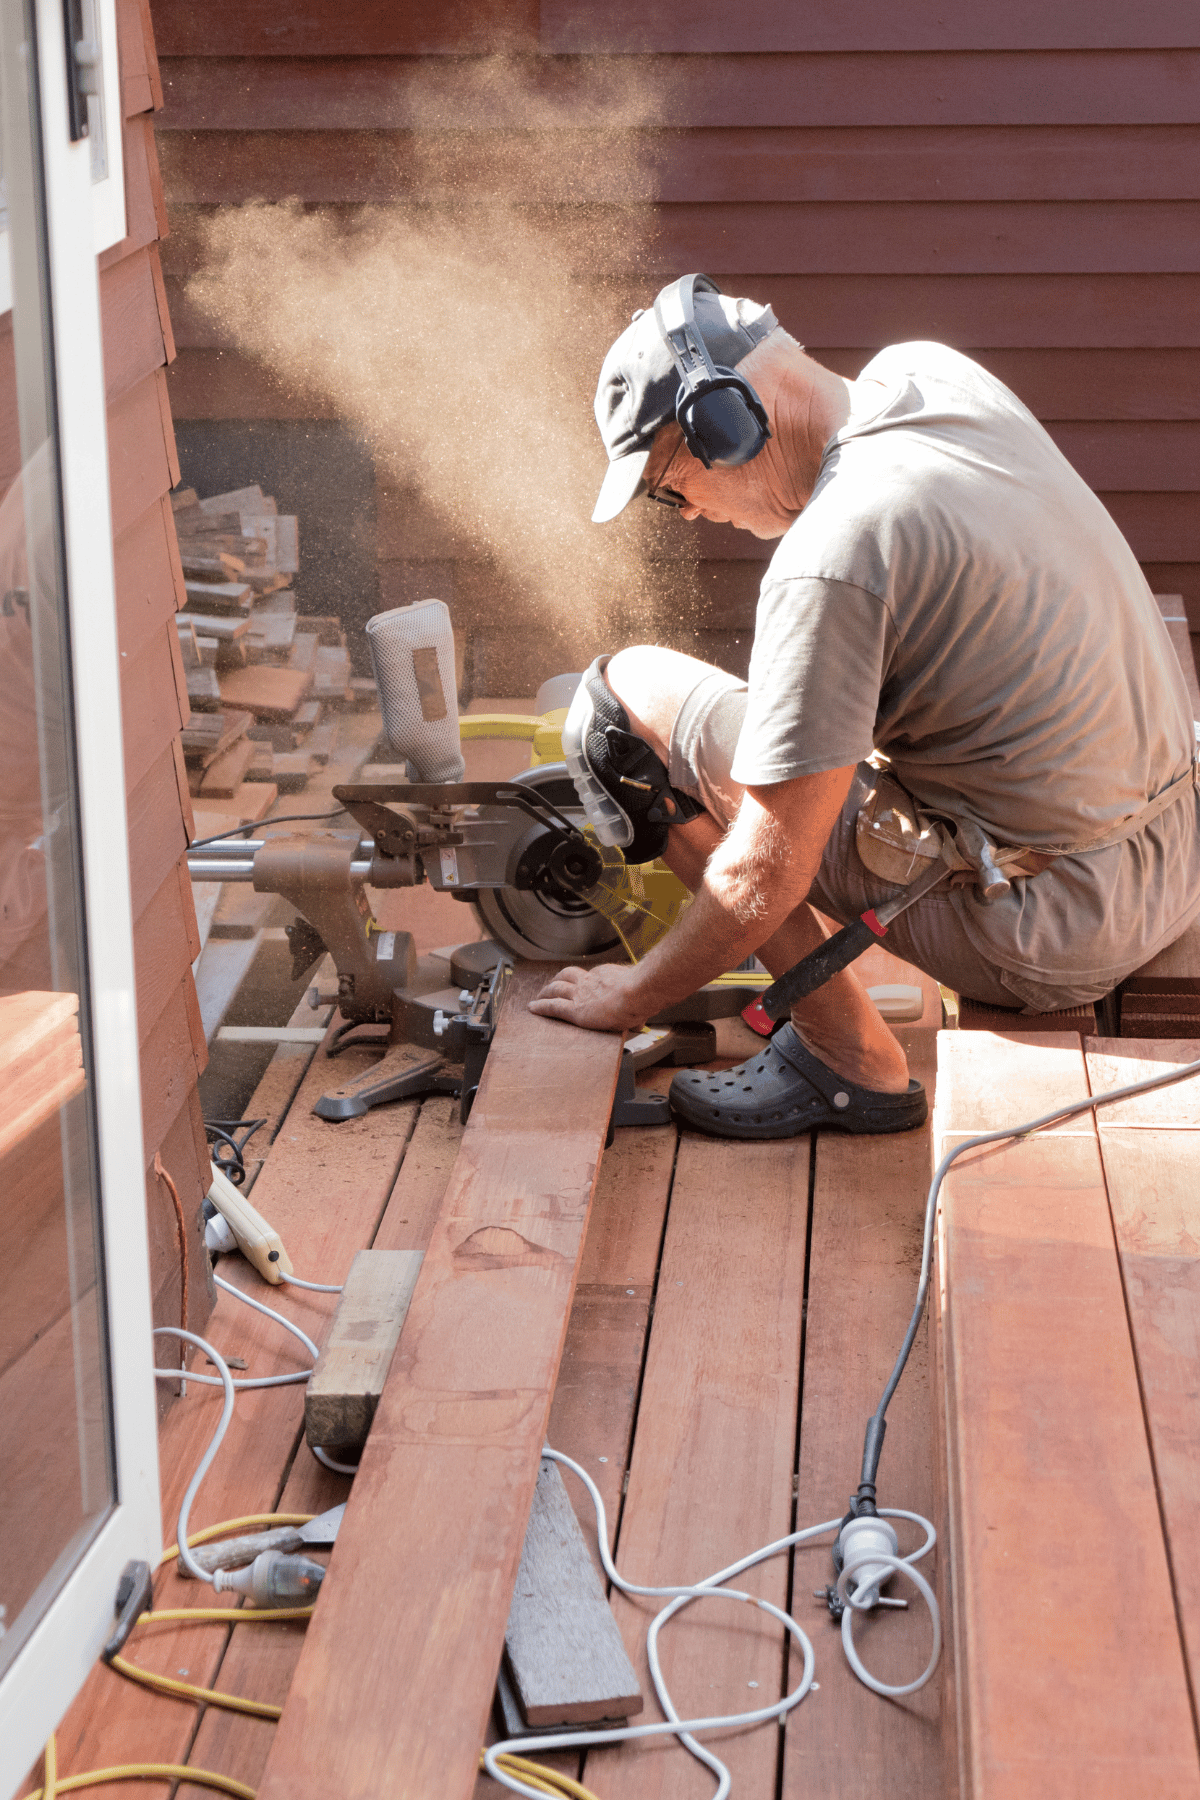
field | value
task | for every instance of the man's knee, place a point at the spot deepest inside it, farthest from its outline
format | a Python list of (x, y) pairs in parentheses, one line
[(652, 684)]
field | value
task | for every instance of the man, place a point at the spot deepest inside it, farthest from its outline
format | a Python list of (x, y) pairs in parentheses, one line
[(948, 597)]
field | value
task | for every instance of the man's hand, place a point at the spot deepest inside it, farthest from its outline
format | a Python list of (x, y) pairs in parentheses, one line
[(600, 999)]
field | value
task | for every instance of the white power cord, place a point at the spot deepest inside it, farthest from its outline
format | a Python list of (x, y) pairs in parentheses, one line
[(712, 1588), (314, 1287), (227, 1382)]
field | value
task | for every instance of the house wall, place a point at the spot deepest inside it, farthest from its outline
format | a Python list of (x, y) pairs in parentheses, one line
[(149, 586), (1021, 182)]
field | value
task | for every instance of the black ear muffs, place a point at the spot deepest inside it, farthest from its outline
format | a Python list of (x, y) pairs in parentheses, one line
[(724, 423)]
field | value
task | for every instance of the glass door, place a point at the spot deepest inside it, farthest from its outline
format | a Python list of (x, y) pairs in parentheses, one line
[(78, 1476)]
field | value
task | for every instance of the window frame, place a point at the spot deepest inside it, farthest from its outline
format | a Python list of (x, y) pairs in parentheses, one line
[(108, 194)]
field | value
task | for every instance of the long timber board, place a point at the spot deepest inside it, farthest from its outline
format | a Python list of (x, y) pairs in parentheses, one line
[(394, 1685)]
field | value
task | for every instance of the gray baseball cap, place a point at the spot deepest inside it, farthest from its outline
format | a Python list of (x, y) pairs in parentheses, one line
[(639, 384)]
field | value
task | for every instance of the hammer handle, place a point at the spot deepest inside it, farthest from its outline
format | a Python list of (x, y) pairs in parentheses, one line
[(814, 970)]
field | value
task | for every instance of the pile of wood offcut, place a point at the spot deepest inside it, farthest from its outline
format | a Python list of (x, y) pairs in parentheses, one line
[(265, 680)]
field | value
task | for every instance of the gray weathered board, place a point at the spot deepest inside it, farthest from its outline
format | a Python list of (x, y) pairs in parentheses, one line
[(345, 1386), (563, 1652)]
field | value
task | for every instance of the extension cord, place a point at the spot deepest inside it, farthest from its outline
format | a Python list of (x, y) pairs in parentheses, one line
[(257, 1240)]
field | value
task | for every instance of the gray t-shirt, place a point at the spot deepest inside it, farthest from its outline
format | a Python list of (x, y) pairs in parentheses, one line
[(955, 596)]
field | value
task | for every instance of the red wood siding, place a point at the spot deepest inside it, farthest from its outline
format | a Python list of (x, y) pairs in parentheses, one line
[(1019, 180)]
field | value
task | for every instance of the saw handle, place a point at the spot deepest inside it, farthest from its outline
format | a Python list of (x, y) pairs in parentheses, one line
[(821, 964)]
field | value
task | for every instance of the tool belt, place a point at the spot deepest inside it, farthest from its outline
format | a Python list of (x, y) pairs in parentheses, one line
[(898, 839)]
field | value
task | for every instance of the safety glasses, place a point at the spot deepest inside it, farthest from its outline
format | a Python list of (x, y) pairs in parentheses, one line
[(667, 497)]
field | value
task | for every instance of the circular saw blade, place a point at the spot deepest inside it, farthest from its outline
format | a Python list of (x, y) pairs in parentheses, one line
[(533, 925)]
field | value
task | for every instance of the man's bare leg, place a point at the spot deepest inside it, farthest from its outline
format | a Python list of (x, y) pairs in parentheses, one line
[(840, 1023)]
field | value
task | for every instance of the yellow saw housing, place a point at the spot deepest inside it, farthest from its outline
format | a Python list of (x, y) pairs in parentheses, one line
[(640, 901)]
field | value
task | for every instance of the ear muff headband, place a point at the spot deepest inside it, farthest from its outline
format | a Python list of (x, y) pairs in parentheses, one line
[(722, 418)]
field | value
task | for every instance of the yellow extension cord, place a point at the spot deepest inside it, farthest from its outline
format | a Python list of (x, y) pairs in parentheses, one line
[(535, 1775)]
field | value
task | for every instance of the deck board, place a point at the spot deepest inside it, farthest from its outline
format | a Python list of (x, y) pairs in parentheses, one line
[(1070, 1672), (1148, 1147), (868, 1210), (711, 1475)]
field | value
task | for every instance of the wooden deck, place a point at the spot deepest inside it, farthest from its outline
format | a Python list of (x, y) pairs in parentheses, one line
[(735, 1315), (736, 1311)]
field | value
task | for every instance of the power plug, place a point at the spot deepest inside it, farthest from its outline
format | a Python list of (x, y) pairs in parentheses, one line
[(258, 1241)]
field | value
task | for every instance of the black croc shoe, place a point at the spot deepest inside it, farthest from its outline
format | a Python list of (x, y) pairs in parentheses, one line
[(785, 1090)]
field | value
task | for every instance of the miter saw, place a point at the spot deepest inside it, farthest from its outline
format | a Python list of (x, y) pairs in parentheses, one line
[(520, 852)]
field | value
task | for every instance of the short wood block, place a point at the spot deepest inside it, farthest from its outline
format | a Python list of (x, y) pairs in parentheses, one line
[(563, 1651), (345, 1386)]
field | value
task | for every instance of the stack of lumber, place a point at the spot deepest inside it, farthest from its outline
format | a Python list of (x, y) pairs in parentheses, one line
[(262, 675), (41, 1060)]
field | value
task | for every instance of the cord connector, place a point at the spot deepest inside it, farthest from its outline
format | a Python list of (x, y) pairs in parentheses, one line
[(859, 1542), (274, 1579)]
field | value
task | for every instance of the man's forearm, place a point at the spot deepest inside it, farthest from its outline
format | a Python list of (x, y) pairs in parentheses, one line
[(732, 913)]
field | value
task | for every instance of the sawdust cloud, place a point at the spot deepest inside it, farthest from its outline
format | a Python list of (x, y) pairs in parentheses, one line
[(459, 330)]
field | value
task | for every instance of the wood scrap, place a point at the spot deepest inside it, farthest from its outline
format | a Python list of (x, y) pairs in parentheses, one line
[(218, 596), (189, 647), (213, 625), (331, 673), (290, 770), (303, 651), (218, 564), (308, 715), (344, 1388), (563, 1651), (261, 764), (269, 693), (225, 774), (203, 690), (239, 500)]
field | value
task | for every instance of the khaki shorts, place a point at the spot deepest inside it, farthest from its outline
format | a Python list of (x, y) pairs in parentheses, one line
[(930, 935)]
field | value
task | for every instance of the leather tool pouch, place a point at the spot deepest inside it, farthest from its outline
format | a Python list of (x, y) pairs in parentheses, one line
[(895, 839)]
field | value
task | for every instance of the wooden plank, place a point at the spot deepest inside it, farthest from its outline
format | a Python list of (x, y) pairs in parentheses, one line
[(323, 1189), (595, 1400), (136, 95), (848, 90), (144, 579), (451, 27), (139, 468), (864, 1261), (922, 238), (463, 1413), (162, 949), (149, 703), (707, 166), (184, 1152), (1071, 1678), (563, 1652), (141, 201), (268, 693), (169, 1062), (130, 323), (1056, 384), (225, 774), (711, 1476), (974, 311), (627, 26), (158, 835), (343, 1391)]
